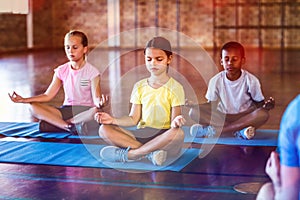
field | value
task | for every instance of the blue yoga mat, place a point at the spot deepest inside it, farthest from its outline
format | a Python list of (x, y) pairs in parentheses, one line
[(263, 137), (81, 155), (31, 129)]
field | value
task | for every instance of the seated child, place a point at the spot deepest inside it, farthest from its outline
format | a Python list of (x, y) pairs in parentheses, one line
[(236, 104), (81, 83), (156, 109)]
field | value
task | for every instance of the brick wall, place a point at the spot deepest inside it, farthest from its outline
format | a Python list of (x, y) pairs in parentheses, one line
[(12, 32), (194, 19), (89, 16), (43, 24)]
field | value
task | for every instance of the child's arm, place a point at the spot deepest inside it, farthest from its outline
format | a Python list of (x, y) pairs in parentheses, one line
[(50, 93), (131, 120), (100, 100), (259, 104), (96, 90), (268, 105), (177, 119)]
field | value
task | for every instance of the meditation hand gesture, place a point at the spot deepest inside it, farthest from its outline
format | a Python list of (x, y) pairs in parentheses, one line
[(269, 104), (103, 101), (103, 118), (16, 98), (178, 121)]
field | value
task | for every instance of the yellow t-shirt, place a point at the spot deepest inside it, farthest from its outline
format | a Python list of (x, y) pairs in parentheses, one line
[(157, 103)]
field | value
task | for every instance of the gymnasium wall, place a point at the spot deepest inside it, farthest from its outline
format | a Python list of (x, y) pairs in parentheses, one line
[(264, 23)]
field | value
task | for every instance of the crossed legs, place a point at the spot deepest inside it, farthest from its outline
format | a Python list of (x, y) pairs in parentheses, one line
[(206, 114), (53, 115), (170, 141)]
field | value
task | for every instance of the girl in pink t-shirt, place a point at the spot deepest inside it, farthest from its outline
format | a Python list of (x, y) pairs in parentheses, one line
[(81, 84)]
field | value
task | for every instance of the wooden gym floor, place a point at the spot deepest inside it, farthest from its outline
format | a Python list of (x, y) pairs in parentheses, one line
[(211, 177)]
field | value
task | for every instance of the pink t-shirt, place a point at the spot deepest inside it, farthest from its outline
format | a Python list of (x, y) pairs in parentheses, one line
[(77, 83)]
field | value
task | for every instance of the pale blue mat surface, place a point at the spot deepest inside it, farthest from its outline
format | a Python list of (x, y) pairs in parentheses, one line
[(31, 129), (263, 137), (81, 155)]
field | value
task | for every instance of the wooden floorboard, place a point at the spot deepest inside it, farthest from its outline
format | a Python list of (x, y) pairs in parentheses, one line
[(211, 177)]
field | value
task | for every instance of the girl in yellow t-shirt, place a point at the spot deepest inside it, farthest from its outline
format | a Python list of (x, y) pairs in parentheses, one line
[(156, 110)]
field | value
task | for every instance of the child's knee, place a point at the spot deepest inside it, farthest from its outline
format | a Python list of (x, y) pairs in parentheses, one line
[(103, 129), (264, 115), (177, 143), (178, 134), (93, 110), (181, 133), (33, 107), (194, 114)]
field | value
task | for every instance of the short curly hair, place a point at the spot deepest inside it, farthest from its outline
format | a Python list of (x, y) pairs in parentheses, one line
[(233, 45)]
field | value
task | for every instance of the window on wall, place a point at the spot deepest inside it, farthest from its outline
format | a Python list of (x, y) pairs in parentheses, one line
[(14, 6)]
